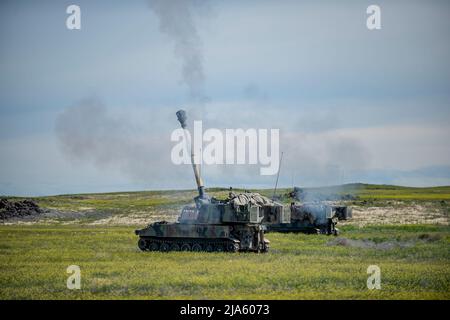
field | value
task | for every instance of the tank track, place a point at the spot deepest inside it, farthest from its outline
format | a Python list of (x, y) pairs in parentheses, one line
[(188, 244)]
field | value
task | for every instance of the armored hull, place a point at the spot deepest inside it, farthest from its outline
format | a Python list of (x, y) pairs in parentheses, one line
[(213, 225), (165, 237)]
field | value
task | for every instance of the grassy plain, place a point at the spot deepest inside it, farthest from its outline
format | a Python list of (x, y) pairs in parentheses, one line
[(414, 258), (414, 262)]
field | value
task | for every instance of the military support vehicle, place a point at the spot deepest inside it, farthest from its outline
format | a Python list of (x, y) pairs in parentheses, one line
[(310, 218), (314, 215)]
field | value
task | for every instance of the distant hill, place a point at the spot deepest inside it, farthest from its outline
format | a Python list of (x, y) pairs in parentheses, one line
[(376, 191), (360, 191)]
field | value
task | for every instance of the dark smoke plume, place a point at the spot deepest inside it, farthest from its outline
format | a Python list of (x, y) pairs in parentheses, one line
[(176, 21)]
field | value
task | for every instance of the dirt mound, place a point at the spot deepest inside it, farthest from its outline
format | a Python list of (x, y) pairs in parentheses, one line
[(14, 209)]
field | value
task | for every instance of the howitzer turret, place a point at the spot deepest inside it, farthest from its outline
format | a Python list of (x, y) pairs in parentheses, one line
[(233, 224)]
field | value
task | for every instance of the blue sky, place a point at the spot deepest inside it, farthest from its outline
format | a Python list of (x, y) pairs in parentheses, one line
[(352, 105)]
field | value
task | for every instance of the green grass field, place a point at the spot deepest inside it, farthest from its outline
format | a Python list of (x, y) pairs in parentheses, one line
[(388, 192), (34, 259), (414, 258)]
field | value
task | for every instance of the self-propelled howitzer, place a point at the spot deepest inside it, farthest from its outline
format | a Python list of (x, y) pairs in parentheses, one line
[(310, 217), (210, 225)]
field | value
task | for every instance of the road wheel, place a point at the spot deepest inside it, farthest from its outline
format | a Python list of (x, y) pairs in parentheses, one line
[(232, 247), (142, 244), (153, 246), (164, 247), (196, 247), (209, 248), (185, 247), (218, 247), (175, 247)]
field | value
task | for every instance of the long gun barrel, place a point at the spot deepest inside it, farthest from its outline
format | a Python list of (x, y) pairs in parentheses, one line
[(181, 115)]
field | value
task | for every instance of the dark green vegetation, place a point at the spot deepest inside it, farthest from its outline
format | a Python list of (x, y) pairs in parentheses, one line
[(414, 262), (387, 192), (387, 230)]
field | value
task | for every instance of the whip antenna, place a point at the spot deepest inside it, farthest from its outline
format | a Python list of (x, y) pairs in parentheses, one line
[(278, 175)]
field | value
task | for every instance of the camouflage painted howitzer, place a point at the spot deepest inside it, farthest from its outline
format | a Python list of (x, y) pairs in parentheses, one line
[(313, 218), (210, 225)]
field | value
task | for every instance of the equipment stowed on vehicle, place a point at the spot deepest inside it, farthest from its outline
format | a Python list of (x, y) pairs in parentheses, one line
[(210, 225)]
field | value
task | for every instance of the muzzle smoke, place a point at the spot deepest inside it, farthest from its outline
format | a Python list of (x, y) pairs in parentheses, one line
[(176, 20)]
